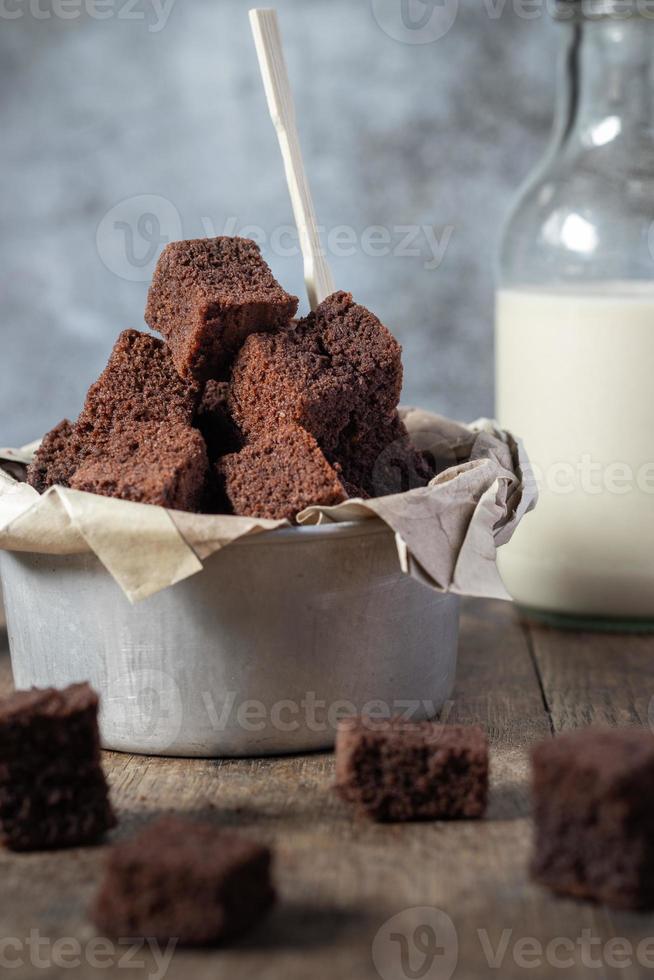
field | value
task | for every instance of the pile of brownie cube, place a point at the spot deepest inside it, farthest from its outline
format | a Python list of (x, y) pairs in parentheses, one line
[(240, 409)]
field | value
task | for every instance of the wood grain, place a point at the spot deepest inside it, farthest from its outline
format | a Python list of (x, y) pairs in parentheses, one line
[(340, 880), (590, 678)]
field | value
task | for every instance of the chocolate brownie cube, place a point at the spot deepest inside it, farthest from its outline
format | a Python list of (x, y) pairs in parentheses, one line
[(53, 792), (339, 366), (207, 295), (396, 770), (149, 462), (184, 880), (39, 725), (134, 437), (139, 384), (594, 815), (56, 458), (278, 474), (55, 811)]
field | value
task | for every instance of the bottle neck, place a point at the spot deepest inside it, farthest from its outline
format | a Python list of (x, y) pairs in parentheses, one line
[(606, 81)]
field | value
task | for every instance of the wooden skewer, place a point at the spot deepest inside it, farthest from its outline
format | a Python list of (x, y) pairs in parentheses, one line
[(267, 38)]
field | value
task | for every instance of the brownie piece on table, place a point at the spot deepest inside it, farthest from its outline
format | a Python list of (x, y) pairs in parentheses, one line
[(207, 295), (278, 474), (396, 770), (52, 789), (185, 880), (214, 421), (149, 462), (55, 459), (339, 366), (594, 815)]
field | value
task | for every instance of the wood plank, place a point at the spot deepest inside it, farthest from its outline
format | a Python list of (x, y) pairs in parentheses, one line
[(595, 678), (341, 880), (599, 678)]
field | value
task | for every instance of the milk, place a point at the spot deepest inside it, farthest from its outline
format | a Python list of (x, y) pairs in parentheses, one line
[(575, 380)]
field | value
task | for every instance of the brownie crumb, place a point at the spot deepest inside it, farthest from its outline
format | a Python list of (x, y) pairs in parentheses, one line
[(53, 792), (396, 770), (184, 880), (278, 474), (207, 295), (594, 816)]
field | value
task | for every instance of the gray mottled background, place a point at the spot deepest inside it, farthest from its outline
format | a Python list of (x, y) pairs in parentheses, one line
[(122, 129)]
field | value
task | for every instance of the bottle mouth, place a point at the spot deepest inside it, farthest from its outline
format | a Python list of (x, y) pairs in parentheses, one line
[(620, 10)]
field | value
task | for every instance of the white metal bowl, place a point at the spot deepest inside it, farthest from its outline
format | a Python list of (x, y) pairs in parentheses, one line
[(260, 653)]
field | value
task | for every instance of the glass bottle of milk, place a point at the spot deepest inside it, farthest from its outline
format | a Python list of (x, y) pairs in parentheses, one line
[(575, 330)]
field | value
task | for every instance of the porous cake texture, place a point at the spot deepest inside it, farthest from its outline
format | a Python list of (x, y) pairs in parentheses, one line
[(55, 459), (139, 384), (336, 368), (594, 815), (396, 770), (148, 462), (53, 792), (184, 880), (134, 437), (278, 474), (207, 295)]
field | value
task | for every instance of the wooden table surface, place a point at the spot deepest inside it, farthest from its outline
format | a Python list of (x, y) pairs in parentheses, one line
[(461, 893)]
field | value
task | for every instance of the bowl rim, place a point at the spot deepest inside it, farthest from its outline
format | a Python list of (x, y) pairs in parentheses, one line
[(295, 535), (305, 532)]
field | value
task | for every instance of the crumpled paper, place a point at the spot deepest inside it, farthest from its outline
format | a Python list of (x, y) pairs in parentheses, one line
[(446, 533)]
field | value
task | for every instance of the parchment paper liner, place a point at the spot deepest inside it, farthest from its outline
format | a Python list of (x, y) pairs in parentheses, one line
[(447, 533)]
